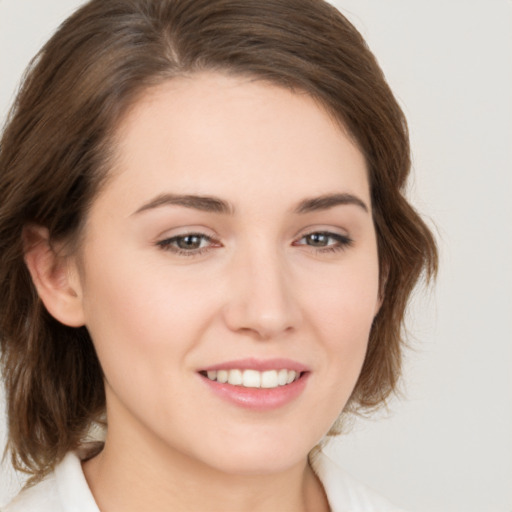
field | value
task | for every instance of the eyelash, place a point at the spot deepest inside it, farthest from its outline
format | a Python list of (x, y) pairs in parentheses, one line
[(342, 242)]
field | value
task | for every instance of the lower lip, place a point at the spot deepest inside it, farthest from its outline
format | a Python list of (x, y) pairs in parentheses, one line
[(258, 399)]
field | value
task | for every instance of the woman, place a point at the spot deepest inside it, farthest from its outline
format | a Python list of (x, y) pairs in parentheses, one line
[(204, 245)]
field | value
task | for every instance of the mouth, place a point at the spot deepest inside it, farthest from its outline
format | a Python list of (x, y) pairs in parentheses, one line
[(249, 378), (256, 384)]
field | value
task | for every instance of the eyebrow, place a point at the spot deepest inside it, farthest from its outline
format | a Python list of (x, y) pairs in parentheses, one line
[(217, 205), (203, 203), (329, 201)]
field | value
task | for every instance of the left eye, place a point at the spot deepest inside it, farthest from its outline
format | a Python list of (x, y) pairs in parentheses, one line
[(325, 240)]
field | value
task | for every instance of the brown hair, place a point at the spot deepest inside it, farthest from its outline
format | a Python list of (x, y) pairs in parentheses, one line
[(54, 153)]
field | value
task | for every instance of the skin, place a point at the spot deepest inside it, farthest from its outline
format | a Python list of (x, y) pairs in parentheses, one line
[(260, 286)]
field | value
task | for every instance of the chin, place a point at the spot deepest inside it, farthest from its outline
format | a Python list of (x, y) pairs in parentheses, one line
[(257, 455)]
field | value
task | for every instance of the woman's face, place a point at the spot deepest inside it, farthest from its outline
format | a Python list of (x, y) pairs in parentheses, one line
[(234, 241)]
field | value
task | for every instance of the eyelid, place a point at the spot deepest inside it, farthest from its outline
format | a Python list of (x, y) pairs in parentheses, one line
[(184, 230), (335, 231)]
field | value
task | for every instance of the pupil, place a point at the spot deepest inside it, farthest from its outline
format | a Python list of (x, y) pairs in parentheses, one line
[(189, 242)]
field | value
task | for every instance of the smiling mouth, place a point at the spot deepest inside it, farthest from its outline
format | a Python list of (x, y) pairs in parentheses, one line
[(268, 379)]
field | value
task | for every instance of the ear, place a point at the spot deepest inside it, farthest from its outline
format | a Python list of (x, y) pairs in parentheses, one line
[(54, 276)]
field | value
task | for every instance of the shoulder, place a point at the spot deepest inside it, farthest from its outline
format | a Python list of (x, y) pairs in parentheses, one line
[(344, 492), (63, 490), (42, 497)]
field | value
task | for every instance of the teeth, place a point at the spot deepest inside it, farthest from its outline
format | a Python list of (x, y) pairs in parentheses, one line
[(282, 377), (269, 379), (253, 378), (235, 377)]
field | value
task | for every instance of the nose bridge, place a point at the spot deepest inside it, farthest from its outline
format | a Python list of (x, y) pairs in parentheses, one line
[(262, 300)]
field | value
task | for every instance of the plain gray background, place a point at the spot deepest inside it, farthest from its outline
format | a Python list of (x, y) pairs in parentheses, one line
[(446, 446)]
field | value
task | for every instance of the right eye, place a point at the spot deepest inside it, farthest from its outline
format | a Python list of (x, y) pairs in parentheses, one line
[(188, 244)]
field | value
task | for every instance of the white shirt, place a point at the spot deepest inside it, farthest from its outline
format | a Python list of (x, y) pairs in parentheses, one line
[(66, 490)]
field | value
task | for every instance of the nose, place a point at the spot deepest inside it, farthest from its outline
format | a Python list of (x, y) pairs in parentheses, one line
[(262, 300)]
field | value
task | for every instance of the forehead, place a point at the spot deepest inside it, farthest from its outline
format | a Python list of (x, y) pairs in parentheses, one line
[(223, 135)]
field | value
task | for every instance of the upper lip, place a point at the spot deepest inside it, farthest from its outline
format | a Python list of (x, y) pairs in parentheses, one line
[(259, 365)]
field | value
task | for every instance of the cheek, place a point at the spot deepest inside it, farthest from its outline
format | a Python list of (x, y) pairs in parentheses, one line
[(344, 303), (141, 315), (341, 312), (341, 316), (117, 304), (144, 324)]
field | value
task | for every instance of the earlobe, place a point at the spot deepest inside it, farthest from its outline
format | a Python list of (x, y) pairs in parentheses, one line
[(54, 275)]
